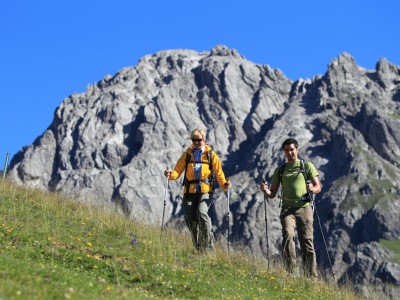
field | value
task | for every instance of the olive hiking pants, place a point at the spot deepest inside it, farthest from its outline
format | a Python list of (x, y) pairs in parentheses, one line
[(195, 207), (302, 219)]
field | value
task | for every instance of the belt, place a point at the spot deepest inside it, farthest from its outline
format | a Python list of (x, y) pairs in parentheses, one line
[(205, 180), (297, 202)]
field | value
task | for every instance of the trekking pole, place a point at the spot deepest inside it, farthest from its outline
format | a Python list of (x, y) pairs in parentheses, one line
[(312, 197), (266, 224), (228, 196), (326, 248), (165, 203), (6, 166)]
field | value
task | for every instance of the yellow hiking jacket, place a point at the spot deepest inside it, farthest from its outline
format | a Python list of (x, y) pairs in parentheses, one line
[(205, 170)]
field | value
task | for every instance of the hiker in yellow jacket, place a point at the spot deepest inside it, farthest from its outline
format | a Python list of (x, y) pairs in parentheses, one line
[(201, 164)]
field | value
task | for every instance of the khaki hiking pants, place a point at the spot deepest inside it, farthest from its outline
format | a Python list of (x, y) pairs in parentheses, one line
[(195, 207), (302, 219)]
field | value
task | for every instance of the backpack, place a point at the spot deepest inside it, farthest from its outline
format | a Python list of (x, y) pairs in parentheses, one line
[(210, 180), (303, 171)]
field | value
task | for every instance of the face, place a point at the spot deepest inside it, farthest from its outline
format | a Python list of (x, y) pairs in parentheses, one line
[(291, 152), (198, 141)]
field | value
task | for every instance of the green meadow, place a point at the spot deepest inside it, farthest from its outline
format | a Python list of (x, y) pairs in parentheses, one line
[(56, 248)]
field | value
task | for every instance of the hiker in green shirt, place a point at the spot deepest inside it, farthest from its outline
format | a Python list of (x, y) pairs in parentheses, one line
[(299, 180)]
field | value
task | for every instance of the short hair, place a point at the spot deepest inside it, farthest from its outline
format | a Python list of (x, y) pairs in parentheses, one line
[(290, 141), (198, 131)]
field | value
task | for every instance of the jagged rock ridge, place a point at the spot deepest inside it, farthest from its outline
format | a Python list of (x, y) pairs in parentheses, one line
[(110, 145)]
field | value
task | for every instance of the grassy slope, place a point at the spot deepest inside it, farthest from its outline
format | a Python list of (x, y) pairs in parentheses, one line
[(54, 248)]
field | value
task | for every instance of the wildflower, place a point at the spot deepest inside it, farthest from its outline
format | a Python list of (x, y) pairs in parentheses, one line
[(134, 242), (89, 244)]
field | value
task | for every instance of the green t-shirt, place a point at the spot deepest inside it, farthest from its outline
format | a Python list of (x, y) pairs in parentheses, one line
[(293, 182)]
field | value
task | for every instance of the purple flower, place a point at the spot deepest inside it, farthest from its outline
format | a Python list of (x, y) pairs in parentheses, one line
[(134, 242)]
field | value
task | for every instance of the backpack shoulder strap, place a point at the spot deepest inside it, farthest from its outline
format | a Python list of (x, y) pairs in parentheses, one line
[(281, 169), (212, 176), (304, 172), (186, 165), (209, 156), (303, 169)]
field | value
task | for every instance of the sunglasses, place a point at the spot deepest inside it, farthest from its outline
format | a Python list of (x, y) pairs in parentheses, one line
[(197, 140)]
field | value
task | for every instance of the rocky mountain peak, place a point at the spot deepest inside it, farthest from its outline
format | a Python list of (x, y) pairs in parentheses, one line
[(222, 50), (344, 67), (388, 75)]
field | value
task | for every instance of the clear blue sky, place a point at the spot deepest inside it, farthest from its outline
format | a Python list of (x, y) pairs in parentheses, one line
[(51, 49)]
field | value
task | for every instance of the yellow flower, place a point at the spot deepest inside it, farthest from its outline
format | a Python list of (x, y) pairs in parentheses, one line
[(89, 244)]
